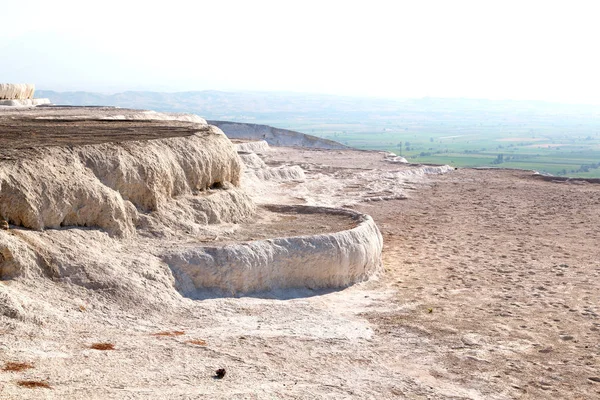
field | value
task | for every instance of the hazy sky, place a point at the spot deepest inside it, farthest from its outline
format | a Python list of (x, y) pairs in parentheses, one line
[(544, 50)]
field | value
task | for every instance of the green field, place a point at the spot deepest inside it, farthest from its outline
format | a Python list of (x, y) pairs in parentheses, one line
[(557, 145)]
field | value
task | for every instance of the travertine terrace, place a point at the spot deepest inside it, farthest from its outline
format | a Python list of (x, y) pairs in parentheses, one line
[(146, 251), (19, 95), (133, 174), (16, 91)]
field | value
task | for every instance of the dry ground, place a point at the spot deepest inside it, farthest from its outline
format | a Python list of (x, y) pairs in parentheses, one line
[(271, 222), (491, 291), (497, 275)]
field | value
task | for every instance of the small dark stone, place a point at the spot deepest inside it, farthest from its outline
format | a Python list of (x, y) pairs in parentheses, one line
[(594, 379), (220, 373)]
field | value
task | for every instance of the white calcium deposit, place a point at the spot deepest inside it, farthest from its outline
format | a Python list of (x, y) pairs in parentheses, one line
[(327, 178), (318, 261), (136, 214), (109, 185), (346, 188), (24, 103), (256, 171), (393, 158), (258, 146), (12, 91), (19, 95)]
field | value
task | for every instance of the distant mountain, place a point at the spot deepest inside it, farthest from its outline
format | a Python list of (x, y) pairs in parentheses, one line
[(216, 104)]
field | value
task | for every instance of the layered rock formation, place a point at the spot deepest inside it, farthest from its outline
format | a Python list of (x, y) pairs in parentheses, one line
[(93, 185), (111, 185)]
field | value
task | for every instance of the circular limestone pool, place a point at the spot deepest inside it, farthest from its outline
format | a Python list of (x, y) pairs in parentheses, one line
[(291, 246)]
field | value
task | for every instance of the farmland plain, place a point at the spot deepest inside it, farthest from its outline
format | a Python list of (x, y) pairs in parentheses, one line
[(563, 151)]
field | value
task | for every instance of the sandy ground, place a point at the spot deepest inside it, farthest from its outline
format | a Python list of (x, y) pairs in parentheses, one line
[(496, 279), (490, 291)]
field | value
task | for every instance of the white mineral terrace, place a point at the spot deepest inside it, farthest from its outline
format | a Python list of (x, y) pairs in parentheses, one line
[(19, 95), (12, 91), (314, 261), (174, 206)]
